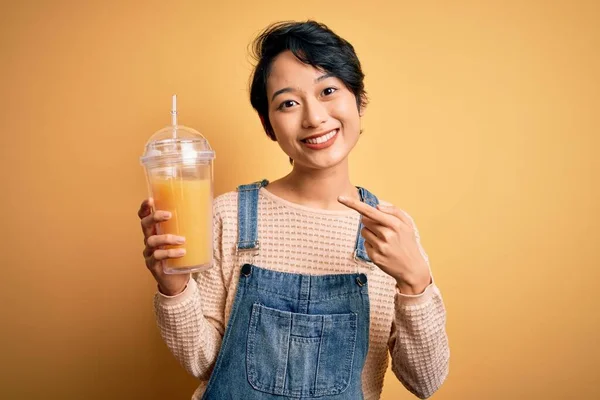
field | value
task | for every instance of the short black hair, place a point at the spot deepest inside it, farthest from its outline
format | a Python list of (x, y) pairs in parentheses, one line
[(312, 43)]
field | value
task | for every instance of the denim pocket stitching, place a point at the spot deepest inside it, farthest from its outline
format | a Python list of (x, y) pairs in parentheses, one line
[(348, 294), (278, 387), (303, 339), (349, 360)]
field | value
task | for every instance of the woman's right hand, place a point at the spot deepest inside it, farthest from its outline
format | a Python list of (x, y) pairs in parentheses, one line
[(169, 285)]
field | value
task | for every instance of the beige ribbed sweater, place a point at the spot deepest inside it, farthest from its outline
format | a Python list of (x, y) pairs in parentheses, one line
[(304, 240)]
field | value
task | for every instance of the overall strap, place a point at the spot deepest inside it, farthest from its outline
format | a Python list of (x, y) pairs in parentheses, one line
[(248, 215)]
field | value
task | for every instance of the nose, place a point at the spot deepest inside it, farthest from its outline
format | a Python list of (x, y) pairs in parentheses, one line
[(315, 114)]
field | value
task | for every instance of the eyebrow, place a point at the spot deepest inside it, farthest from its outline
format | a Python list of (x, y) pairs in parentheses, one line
[(289, 89)]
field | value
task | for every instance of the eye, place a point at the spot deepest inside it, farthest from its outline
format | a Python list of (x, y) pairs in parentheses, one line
[(329, 91), (286, 104)]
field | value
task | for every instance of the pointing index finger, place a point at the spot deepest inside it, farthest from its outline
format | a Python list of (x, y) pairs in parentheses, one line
[(365, 209)]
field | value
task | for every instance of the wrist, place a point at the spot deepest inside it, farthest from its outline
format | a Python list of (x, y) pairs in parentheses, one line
[(173, 288), (413, 287), (170, 291)]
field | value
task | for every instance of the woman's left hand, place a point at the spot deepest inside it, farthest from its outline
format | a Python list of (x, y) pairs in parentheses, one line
[(391, 244)]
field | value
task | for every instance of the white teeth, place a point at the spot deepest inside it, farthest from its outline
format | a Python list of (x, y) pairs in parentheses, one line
[(322, 139)]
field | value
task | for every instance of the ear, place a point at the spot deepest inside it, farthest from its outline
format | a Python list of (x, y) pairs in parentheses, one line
[(361, 111)]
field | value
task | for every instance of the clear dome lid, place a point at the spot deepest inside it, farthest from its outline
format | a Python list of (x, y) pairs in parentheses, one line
[(177, 143)]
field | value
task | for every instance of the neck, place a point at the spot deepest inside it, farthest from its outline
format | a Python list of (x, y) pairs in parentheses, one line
[(317, 188)]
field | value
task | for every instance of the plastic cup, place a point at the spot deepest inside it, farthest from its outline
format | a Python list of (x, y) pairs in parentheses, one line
[(179, 169)]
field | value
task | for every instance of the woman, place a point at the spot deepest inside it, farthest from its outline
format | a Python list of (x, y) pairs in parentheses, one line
[(314, 280)]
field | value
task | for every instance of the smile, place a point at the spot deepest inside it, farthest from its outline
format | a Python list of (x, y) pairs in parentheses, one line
[(323, 138)]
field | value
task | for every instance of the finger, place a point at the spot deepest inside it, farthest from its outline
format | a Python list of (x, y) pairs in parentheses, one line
[(369, 222), (370, 237), (149, 222), (396, 212), (154, 259), (369, 246), (163, 254), (146, 208), (366, 210), (164, 240), (374, 226)]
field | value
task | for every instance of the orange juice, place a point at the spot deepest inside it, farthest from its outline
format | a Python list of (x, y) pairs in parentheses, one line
[(190, 204)]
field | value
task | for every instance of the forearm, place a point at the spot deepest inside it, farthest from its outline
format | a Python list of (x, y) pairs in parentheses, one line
[(192, 339), (418, 343)]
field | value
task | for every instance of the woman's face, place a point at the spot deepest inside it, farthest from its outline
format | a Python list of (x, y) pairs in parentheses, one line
[(314, 116)]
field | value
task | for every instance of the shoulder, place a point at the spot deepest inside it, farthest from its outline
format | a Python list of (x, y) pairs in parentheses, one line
[(225, 205), (228, 202)]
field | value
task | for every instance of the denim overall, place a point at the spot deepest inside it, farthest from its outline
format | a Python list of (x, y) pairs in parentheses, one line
[(291, 335)]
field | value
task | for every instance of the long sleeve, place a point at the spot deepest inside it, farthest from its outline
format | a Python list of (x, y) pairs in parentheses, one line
[(418, 342), (192, 322), (298, 240)]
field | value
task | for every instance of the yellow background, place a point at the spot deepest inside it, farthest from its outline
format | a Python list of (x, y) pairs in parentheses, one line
[(483, 124)]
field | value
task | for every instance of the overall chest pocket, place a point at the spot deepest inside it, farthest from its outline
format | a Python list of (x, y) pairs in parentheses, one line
[(300, 355)]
